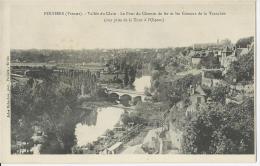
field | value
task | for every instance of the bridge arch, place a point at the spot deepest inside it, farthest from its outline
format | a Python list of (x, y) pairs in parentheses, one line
[(114, 96), (125, 99)]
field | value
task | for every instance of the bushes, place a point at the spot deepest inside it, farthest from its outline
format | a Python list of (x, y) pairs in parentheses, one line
[(241, 70), (220, 130)]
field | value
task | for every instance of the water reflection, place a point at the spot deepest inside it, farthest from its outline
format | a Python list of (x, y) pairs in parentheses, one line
[(95, 123), (106, 119), (141, 83), (88, 117)]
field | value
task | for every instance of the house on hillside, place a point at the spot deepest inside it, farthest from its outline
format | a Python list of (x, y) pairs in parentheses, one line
[(197, 95), (195, 57), (212, 77), (196, 60), (197, 98), (198, 56), (228, 56)]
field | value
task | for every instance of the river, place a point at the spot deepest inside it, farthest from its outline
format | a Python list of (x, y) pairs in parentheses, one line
[(141, 83), (106, 118)]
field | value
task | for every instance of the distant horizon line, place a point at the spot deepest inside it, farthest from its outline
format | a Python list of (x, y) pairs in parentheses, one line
[(118, 48), (78, 49)]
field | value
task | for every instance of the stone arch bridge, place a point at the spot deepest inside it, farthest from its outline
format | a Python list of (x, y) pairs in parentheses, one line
[(125, 96)]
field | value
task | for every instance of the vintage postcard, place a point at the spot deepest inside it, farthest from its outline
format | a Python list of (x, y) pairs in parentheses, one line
[(127, 81)]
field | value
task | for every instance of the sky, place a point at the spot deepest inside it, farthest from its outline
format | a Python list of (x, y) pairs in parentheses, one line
[(29, 28)]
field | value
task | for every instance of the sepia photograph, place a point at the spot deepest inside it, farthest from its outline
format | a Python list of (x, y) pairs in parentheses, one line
[(147, 80), (196, 99)]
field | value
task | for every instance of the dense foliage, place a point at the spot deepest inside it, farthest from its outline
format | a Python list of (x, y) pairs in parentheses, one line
[(172, 88), (219, 130), (48, 105), (244, 42), (51, 104), (210, 62), (241, 70)]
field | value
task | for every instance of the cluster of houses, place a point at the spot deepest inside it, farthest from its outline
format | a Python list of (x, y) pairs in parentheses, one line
[(213, 77), (226, 54), (210, 78)]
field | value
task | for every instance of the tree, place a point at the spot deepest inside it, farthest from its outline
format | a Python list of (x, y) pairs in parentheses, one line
[(101, 92), (23, 116), (178, 90), (147, 91), (221, 130), (155, 80), (241, 70), (210, 62), (58, 100), (155, 75), (47, 104), (155, 64), (127, 118), (126, 77), (219, 93), (244, 42), (132, 74)]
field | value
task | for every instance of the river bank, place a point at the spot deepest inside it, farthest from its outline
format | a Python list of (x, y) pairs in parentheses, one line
[(105, 127)]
